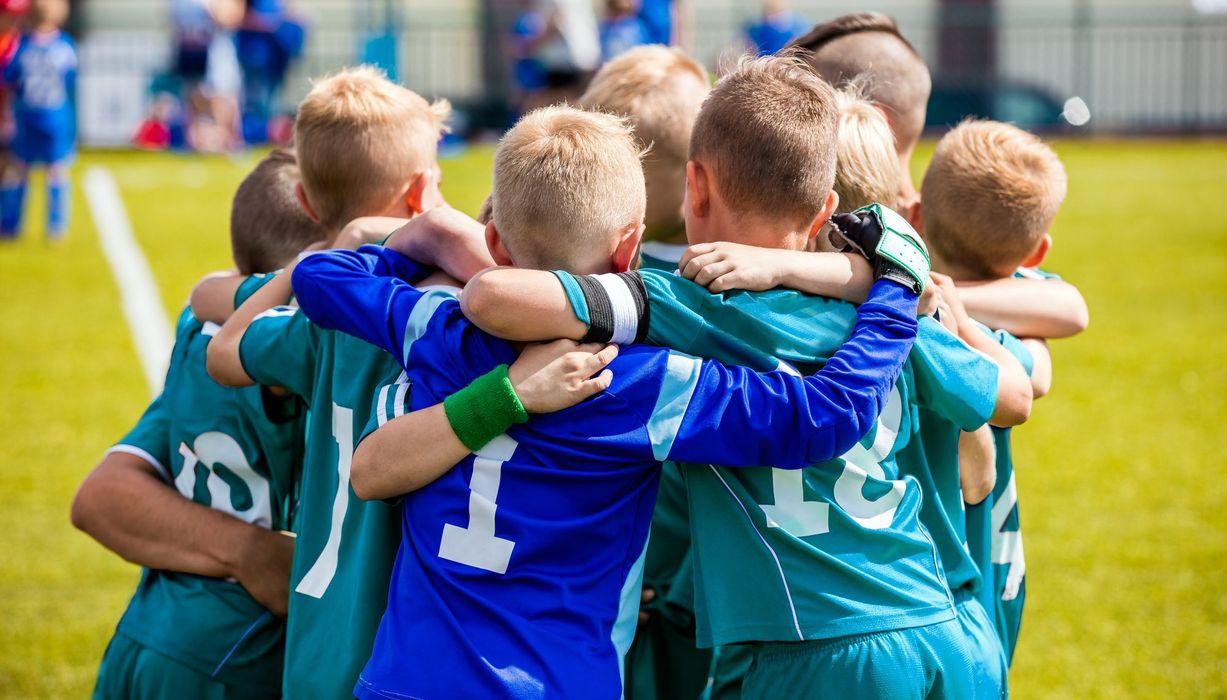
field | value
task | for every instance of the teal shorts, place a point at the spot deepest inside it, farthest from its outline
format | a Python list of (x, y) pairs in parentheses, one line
[(932, 661), (991, 668), (131, 671), (729, 665)]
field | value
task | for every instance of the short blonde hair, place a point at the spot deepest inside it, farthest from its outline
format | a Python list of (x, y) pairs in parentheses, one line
[(565, 182), (660, 90), (990, 194), (866, 166), (768, 130), (359, 139)]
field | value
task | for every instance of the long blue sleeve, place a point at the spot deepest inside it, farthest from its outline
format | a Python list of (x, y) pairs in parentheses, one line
[(708, 412), (364, 293)]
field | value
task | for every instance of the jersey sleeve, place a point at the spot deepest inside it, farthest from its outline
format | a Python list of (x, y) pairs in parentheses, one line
[(709, 412), (149, 439), (390, 401), (252, 284), (363, 293), (280, 348), (952, 378)]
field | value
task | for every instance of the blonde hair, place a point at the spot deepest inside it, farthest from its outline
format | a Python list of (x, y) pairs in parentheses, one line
[(866, 167), (359, 139), (989, 196), (660, 90), (768, 130), (565, 182)]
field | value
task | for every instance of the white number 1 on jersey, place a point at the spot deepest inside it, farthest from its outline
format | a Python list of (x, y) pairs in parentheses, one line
[(476, 545), (316, 580)]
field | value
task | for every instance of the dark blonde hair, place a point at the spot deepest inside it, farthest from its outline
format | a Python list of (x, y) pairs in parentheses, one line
[(268, 226), (768, 130), (990, 194)]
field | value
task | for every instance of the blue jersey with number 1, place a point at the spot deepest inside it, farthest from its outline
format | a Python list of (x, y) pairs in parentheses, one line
[(520, 570)]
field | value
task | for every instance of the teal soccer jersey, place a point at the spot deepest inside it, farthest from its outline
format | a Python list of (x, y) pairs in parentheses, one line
[(346, 546), (995, 534), (235, 450), (835, 549)]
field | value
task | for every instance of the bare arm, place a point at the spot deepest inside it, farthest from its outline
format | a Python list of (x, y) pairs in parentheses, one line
[(525, 305), (222, 358), (724, 266), (1014, 396), (1041, 366), (1027, 308), (446, 239), (977, 464), (546, 378), (127, 508), (212, 298)]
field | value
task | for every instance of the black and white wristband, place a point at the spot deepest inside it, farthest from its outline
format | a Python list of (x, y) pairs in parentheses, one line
[(617, 307)]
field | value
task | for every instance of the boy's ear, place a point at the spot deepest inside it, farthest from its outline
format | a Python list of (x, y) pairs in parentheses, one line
[(423, 192), (915, 217), (1041, 251), (495, 243), (626, 255), (306, 204), (698, 191), (824, 215)]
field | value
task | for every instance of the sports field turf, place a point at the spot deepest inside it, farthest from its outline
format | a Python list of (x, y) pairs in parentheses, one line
[(1120, 470)]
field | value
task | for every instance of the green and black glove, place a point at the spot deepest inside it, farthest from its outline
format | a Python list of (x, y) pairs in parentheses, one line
[(887, 241)]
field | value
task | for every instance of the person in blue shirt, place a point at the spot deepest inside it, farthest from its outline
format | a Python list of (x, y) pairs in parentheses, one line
[(774, 28), (42, 76), (621, 29), (520, 570)]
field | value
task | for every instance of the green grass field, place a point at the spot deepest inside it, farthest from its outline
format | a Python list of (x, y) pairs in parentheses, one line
[(1122, 495)]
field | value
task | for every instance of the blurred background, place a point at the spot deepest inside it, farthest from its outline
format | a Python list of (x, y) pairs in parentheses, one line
[(1119, 470)]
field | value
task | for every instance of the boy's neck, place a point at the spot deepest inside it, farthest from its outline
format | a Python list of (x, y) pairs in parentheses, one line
[(757, 232)]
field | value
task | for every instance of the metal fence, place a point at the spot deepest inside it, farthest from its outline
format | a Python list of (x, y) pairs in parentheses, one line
[(1139, 68)]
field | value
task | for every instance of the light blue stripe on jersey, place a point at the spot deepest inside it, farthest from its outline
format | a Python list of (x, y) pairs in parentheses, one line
[(681, 378), (579, 305), (419, 319), (628, 613)]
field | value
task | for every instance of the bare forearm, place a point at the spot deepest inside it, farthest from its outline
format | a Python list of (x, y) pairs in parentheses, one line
[(835, 275), (447, 239), (1027, 307), (212, 298), (977, 464), (1041, 366), (127, 508), (405, 454), (525, 305)]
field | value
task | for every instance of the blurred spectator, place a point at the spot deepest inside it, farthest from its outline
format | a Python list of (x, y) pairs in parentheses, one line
[(658, 19), (42, 75), (11, 13), (622, 29), (207, 67), (268, 41), (527, 71), (569, 47), (775, 28)]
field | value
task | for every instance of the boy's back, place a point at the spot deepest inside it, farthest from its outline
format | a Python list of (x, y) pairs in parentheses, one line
[(235, 450)]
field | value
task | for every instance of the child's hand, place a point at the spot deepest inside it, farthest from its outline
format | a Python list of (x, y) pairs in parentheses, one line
[(724, 266), (950, 305), (446, 239), (549, 377)]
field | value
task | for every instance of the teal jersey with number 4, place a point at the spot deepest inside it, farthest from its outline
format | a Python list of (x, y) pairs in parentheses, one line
[(346, 546), (237, 451)]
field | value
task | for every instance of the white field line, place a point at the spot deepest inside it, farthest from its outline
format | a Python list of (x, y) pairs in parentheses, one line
[(142, 304)]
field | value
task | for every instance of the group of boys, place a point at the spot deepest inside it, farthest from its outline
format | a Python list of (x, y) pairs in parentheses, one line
[(779, 379)]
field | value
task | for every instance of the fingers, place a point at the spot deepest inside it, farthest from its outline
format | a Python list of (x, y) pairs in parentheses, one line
[(696, 264), (693, 251), (710, 272), (600, 360)]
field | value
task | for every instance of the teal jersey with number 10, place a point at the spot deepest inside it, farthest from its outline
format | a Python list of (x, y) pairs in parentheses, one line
[(237, 451)]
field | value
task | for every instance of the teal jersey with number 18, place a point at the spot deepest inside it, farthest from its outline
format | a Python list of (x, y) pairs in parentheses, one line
[(237, 451)]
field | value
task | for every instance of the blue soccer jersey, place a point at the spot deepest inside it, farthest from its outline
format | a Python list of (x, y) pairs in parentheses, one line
[(43, 76), (520, 570)]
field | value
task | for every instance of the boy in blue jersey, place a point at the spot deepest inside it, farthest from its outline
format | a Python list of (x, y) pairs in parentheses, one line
[(43, 76), (519, 571), (774, 28), (215, 470)]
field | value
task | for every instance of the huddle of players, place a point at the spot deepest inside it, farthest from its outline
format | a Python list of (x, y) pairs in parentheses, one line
[(386, 422)]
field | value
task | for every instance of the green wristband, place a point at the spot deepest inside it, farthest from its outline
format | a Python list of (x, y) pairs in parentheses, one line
[(484, 409)]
